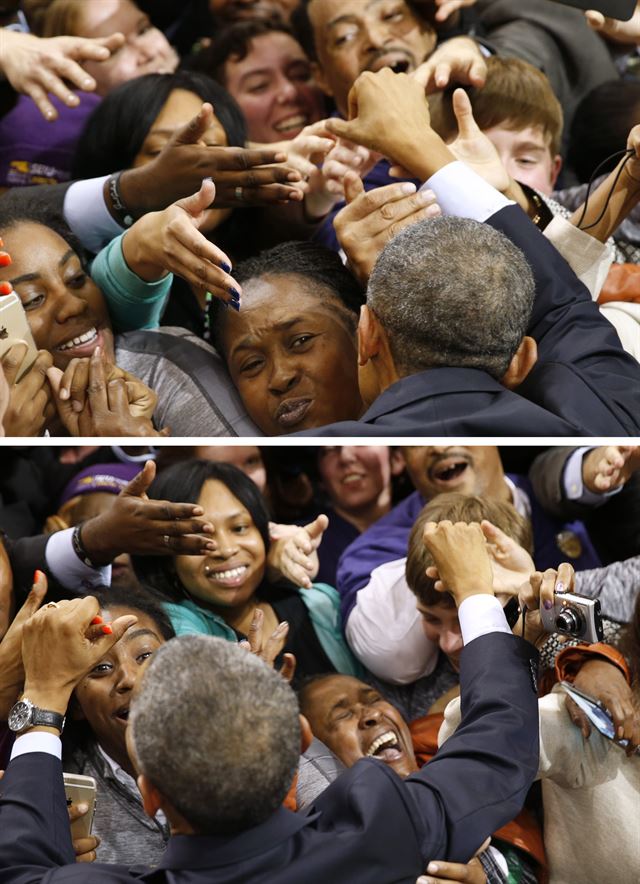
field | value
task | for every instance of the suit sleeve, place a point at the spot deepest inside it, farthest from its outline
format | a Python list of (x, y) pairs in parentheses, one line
[(35, 836), (478, 781), (569, 329)]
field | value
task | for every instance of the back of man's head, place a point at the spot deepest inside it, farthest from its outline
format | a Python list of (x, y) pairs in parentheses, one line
[(216, 732), (452, 292)]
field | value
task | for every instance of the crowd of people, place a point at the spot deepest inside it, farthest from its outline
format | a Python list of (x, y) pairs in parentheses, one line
[(297, 663), (272, 217)]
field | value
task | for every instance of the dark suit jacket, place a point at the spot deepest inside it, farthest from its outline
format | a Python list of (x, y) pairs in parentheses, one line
[(583, 383), (368, 826)]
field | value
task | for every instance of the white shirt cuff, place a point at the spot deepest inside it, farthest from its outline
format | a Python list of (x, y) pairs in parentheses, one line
[(463, 193), (573, 486), (480, 614), (86, 214), (38, 741), (68, 569)]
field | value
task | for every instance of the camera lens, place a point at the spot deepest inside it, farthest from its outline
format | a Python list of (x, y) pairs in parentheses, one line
[(569, 621)]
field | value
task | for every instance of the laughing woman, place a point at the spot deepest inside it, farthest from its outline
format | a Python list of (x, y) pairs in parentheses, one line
[(219, 594)]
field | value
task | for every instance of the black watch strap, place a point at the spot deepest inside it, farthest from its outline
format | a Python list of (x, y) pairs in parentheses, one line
[(78, 547), (47, 718)]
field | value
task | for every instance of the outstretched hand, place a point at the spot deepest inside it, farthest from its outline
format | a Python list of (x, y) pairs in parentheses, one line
[(11, 668), (243, 177), (458, 60), (609, 467), (294, 551)]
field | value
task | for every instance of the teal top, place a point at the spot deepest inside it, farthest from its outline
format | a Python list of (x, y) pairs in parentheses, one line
[(133, 303), (322, 603)]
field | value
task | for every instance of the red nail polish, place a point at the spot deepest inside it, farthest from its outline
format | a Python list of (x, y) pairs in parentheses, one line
[(5, 259), (5, 288), (37, 575), (107, 629), (97, 619)]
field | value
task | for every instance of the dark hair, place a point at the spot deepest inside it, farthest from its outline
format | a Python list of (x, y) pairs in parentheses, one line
[(24, 208), (117, 128), (233, 42), (457, 508), (183, 483), (601, 125), (321, 268), (139, 599), (303, 29)]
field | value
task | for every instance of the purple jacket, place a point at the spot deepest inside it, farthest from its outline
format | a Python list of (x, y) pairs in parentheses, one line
[(387, 540)]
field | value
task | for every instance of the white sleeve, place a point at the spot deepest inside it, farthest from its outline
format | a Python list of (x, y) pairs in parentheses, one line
[(86, 214), (589, 259), (479, 615), (68, 569), (384, 629), (463, 193), (37, 741)]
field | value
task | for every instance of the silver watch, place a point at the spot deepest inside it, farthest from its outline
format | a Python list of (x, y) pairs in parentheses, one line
[(25, 715)]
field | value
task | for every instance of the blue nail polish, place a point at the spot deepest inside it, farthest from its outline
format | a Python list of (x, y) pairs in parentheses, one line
[(235, 305), (548, 605), (560, 587), (226, 267)]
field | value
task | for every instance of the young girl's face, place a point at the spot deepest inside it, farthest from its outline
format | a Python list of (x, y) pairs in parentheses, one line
[(229, 575)]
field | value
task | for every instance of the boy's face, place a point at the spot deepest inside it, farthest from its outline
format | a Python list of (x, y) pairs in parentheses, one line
[(526, 155)]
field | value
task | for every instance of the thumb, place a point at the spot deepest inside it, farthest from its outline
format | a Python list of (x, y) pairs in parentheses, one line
[(594, 19), (193, 131), (139, 485), (341, 128), (121, 624), (467, 125), (316, 529), (64, 407), (35, 597), (495, 535), (199, 202), (353, 186)]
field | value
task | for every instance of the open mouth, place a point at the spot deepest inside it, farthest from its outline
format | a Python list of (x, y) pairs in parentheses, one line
[(291, 124), (449, 471), (353, 478), (228, 576), (122, 714), (399, 62), (292, 412), (386, 747), (81, 345)]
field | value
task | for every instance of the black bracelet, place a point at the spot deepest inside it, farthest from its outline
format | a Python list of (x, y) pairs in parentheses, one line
[(124, 216), (78, 547)]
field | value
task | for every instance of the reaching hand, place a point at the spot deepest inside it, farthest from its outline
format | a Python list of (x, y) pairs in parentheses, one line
[(171, 241), (461, 558), (71, 386), (269, 648), (11, 668), (294, 551), (609, 467), (140, 526), (511, 564), (458, 60), (61, 643), (343, 158), (370, 220), (474, 148), (38, 66), (605, 682), (612, 29), (31, 406), (242, 177)]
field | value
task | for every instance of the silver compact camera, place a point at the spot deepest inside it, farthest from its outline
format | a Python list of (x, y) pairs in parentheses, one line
[(574, 615)]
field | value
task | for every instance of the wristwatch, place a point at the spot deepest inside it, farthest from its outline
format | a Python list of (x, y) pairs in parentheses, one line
[(25, 715)]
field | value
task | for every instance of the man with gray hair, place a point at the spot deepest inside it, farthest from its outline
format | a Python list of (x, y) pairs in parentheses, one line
[(460, 335), (214, 734)]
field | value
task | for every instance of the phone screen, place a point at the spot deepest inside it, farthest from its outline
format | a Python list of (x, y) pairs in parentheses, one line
[(620, 9)]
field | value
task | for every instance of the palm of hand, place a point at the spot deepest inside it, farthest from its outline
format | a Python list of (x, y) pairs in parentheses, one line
[(511, 568), (479, 153)]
